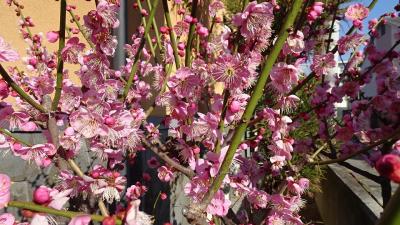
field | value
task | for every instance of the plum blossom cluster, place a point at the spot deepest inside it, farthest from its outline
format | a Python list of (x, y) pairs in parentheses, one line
[(260, 52)]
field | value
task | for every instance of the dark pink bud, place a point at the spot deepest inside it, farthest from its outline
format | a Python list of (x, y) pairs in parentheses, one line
[(181, 46), (109, 220), (32, 62), (357, 23), (52, 36), (234, 107), (146, 176), (188, 19), (41, 195), (51, 64), (163, 196), (109, 121), (389, 166), (17, 146), (95, 174), (202, 31), (164, 30), (4, 90), (196, 150), (181, 11), (116, 174), (144, 12)]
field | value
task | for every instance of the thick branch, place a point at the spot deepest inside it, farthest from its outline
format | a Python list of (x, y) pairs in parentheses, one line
[(255, 97)]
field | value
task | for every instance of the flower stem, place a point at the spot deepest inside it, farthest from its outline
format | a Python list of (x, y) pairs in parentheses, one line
[(255, 97), (221, 123), (19, 90), (171, 33), (155, 26), (319, 150), (137, 55), (80, 28), (60, 64), (63, 213), (192, 28)]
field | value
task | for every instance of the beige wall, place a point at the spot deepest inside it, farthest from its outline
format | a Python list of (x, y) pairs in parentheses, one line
[(45, 15)]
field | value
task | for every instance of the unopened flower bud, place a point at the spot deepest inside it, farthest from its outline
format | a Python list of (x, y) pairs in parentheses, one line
[(41, 195)]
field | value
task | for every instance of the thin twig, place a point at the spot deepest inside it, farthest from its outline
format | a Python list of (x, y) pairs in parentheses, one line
[(20, 92), (192, 28), (394, 136), (137, 55), (63, 213), (60, 63), (171, 33), (188, 172)]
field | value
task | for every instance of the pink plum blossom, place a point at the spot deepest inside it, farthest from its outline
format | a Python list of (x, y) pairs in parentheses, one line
[(323, 63), (5, 186), (52, 36), (136, 191), (283, 76), (356, 11), (136, 217), (219, 205), (7, 54), (70, 52), (255, 20), (87, 123), (7, 219), (230, 70), (165, 174), (80, 220), (40, 153)]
